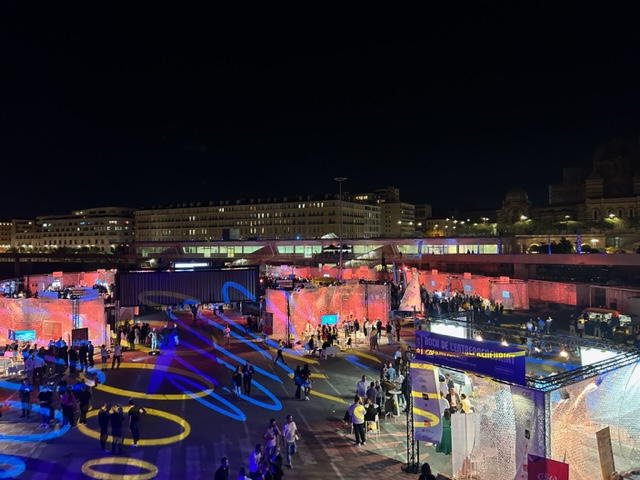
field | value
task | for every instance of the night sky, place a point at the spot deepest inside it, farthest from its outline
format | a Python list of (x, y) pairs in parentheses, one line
[(453, 105)]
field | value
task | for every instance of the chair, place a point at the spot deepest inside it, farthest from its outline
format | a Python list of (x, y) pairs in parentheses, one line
[(373, 427)]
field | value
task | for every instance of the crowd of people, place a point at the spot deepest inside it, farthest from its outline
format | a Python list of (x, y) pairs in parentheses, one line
[(270, 456), (42, 363)]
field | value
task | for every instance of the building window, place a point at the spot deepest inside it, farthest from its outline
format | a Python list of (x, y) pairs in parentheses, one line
[(631, 213), (595, 215)]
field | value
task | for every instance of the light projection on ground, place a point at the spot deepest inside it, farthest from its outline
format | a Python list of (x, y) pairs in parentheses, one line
[(149, 470), (10, 466), (186, 429), (34, 437)]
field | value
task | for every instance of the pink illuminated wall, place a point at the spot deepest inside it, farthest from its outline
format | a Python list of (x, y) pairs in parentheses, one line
[(513, 294), (370, 301), (553, 291), (51, 318)]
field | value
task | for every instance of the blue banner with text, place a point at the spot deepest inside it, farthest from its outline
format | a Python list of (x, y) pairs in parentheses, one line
[(482, 357)]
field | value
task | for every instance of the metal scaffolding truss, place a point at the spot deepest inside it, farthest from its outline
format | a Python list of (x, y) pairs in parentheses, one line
[(554, 382), (413, 446)]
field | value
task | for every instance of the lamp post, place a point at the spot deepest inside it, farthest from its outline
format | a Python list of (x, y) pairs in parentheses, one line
[(340, 180)]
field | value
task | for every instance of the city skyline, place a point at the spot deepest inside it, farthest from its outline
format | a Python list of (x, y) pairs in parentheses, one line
[(454, 106)]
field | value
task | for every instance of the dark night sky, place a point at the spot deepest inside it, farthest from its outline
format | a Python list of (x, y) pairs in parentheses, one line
[(453, 105)]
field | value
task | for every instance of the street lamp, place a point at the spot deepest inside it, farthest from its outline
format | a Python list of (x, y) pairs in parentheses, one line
[(340, 180)]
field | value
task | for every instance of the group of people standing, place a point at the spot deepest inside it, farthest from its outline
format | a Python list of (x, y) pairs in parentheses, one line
[(112, 417), (242, 378), (266, 461), (67, 398), (40, 362)]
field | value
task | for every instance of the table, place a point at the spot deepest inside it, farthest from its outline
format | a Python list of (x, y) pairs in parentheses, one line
[(396, 404), (333, 350)]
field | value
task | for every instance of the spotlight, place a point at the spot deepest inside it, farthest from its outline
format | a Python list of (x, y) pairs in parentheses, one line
[(478, 337), (504, 342), (563, 353)]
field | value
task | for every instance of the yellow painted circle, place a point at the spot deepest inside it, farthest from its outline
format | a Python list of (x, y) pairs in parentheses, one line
[(186, 429), (88, 470), (157, 396)]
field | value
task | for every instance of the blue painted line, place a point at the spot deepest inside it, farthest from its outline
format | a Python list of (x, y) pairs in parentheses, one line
[(234, 412)]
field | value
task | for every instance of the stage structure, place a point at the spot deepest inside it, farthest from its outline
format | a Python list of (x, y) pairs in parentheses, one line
[(518, 416), (51, 318)]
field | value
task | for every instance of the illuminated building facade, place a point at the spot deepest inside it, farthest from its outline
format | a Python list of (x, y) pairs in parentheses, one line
[(271, 218), (100, 229)]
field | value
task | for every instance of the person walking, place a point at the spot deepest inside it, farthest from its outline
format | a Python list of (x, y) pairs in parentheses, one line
[(117, 355), (227, 336), (134, 421), (237, 381), (84, 401), (104, 356), (222, 473), (83, 356), (291, 436), (297, 380), (425, 472), (357, 412), (306, 381), (397, 358), (255, 457), (279, 354), (397, 329), (103, 423), (572, 325), (45, 398), (580, 327), (275, 464), (247, 375), (361, 386), (73, 359), (116, 419), (68, 403), (90, 353), (271, 436), (25, 397), (29, 364)]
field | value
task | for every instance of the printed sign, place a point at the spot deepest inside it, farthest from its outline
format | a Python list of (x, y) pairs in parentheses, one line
[(426, 403), (485, 358), (607, 465), (541, 468)]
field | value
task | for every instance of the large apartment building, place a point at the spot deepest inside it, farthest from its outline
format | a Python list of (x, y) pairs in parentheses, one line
[(100, 229), (271, 218)]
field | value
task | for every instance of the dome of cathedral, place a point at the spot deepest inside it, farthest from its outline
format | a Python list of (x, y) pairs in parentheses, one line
[(517, 195)]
